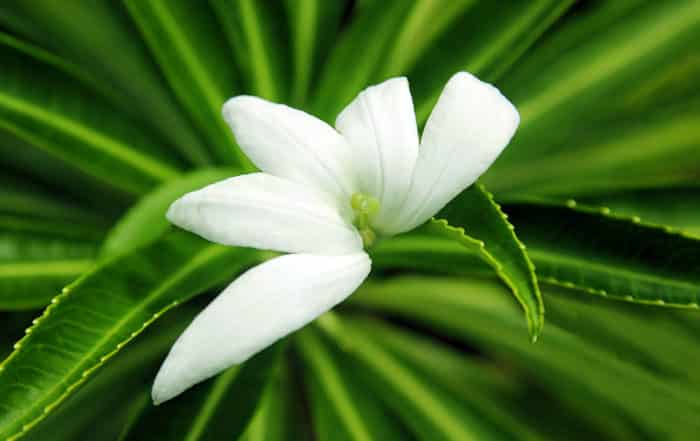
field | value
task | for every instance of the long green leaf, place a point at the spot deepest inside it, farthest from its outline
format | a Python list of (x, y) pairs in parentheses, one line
[(126, 380), (482, 386), (252, 28), (193, 55), (429, 412), (557, 102), (339, 411), (82, 31), (313, 25), (609, 255), (52, 111), (22, 159), (575, 370), (678, 208), (369, 33), (658, 150), (279, 416), (486, 48), (100, 313), (220, 408), (475, 220), (23, 197), (34, 268)]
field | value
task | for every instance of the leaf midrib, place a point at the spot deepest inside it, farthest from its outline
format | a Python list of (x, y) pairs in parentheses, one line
[(260, 58), (328, 376), (214, 397), (613, 60), (38, 268)]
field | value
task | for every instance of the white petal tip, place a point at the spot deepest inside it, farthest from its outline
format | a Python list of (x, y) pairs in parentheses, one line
[(233, 106), (465, 84)]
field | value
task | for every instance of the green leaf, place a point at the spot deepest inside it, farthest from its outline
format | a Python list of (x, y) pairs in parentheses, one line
[(423, 23), (608, 255), (55, 113), (81, 32), (482, 386), (22, 159), (578, 372), (126, 380), (391, 35), (678, 208), (429, 412), (220, 408), (313, 25), (339, 411), (511, 29), (657, 150), (475, 220), (100, 313), (58, 63), (24, 198), (279, 416), (145, 221), (193, 55), (422, 251), (566, 97), (34, 268), (368, 33), (252, 29)]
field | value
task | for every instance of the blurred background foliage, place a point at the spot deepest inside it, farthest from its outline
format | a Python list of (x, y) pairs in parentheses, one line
[(109, 110)]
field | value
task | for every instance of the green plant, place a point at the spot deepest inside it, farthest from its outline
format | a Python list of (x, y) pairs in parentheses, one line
[(110, 110)]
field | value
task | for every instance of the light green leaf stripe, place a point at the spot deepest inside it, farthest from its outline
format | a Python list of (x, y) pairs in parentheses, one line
[(427, 20), (218, 391), (403, 382), (195, 75), (665, 27), (326, 373), (505, 47), (111, 147), (44, 268), (262, 66), (57, 62), (303, 16)]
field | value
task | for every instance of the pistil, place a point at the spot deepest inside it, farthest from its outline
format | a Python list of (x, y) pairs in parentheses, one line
[(364, 207)]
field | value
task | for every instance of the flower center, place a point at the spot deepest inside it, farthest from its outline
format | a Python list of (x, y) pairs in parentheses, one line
[(364, 207)]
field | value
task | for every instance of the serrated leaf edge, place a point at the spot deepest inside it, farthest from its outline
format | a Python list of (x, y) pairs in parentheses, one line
[(535, 328), (103, 359)]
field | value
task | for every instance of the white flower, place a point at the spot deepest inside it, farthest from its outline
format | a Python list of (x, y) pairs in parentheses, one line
[(324, 195)]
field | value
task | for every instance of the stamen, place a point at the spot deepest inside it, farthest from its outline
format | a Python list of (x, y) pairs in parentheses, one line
[(364, 207)]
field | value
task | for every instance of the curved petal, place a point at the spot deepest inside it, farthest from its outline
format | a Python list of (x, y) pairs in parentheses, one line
[(260, 307), (291, 144), (380, 125), (266, 212), (470, 125)]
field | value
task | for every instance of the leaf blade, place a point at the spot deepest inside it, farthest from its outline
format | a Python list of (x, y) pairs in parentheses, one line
[(190, 267), (474, 219)]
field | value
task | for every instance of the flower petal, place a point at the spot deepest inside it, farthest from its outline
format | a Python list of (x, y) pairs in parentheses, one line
[(260, 307), (470, 125), (291, 144), (263, 211), (380, 125)]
